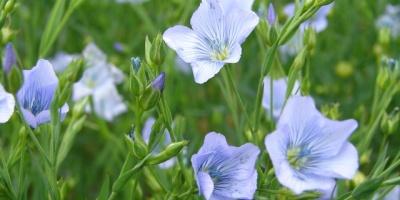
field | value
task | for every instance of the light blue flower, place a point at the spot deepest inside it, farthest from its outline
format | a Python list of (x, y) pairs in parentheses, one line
[(37, 92), (390, 19), (7, 104), (225, 172), (214, 40), (98, 80), (309, 151), (279, 93)]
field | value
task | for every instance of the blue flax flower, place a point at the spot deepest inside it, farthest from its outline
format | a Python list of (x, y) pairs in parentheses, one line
[(225, 172), (37, 92), (7, 104), (214, 40), (308, 150)]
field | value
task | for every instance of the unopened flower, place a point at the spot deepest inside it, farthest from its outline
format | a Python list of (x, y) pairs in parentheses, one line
[(214, 40), (158, 82), (278, 96), (7, 104), (309, 151), (10, 58), (271, 16), (36, 94), (223, 171)]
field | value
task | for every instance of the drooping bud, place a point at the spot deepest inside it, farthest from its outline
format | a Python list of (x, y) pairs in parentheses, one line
[(10, 58), (171, 151), (271, 16)]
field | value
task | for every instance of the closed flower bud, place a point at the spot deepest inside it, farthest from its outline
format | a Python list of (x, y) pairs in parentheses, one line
[(390, 123), (178, 179), (140, 149), (157, 50), (136, 85), (271, 16), (63, 92), (10, 58), (15, 80), (384, 36), (344, 69), (320, 3), (310, 38), (136, 64), (74, 71), (387, 73), (171, 151), (153, 92), (9, 7)]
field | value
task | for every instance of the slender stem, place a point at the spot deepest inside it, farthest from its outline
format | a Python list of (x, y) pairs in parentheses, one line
[(21, 167), (233, 86), (225, 90)]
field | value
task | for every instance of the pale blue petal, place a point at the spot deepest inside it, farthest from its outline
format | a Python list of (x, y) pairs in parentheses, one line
[(208, 21), (64, 111), (237, 189), (299, 182), (204, 70), (43, 117), (61, 61), (108, 103), (117, 75), (235, 52), (239, 25), (147, 129), (206, 184), (212, 141), (228, 5), (29, 118), (7, 104), (277, 144), (187, 44), (333, 136), (80, 90), (241, 164), (343, 165), (93, 55), (198, 160), (279, 93), (301, 120)]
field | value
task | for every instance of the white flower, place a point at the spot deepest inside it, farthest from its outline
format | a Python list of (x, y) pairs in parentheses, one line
[(214, 40)]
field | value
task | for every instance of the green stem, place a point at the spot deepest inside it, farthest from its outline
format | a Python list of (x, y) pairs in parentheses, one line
[(21, 167), (30, 132)]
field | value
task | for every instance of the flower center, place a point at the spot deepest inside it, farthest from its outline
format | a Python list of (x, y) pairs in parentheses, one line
[(220, 51), (298, 156), (35, 109), (215, 174)]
